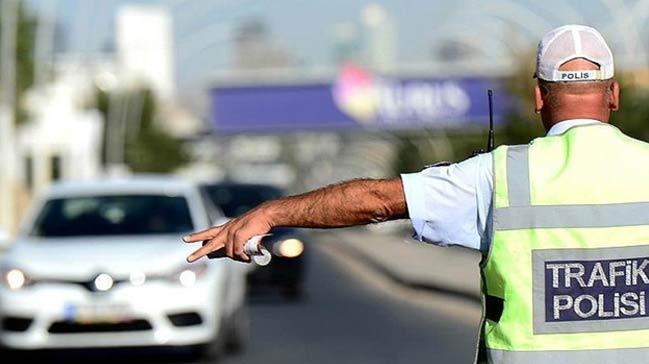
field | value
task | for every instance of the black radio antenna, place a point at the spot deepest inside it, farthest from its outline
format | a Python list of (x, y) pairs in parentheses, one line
[(491, 140)]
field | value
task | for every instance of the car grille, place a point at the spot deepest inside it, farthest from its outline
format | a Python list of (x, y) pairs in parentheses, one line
[(68, 327), (185, 319), (88, 285), (16, 324)]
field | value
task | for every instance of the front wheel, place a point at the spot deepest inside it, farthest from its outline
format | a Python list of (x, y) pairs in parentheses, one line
[(214, 349)]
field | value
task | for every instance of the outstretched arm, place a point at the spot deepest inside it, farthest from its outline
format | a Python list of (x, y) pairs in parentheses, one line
[(355, 202)]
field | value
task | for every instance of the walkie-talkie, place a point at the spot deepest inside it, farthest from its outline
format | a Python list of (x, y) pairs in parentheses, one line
[(491, 139)]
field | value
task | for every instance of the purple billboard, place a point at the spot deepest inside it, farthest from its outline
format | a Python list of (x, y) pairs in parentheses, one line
[(356, 99)]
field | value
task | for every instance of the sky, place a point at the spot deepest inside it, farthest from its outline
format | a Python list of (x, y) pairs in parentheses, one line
[(203, 28)]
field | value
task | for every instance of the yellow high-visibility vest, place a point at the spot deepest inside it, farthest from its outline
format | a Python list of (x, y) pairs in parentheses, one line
[(567, 276)]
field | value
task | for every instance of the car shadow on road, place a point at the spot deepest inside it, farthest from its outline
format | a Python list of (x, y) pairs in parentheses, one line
[(100, 356)]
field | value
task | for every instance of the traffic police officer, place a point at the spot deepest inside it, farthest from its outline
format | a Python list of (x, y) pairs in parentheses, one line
[(563, 222)]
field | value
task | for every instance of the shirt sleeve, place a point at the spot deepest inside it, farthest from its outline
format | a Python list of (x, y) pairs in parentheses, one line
[(450, 205)]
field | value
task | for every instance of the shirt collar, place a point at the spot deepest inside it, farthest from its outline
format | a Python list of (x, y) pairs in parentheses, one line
[(562, 126)]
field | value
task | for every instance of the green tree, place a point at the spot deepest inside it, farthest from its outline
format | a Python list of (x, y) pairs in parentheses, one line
[(633, 116), (408, 158), (416, 150), (148, 148), (522, 125), (25, 40)]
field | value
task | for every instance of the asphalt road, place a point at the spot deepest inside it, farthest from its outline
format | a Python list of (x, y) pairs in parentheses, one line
[(350, 314)]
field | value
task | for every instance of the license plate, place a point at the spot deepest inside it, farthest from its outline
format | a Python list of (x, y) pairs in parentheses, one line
[(97, 313)]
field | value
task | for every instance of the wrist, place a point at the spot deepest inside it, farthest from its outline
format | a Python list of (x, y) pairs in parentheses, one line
[(267, 212)]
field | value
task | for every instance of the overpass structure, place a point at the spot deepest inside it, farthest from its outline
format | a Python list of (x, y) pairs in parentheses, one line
[(352, 98)]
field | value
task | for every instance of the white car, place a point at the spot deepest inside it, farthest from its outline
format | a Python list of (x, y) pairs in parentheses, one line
[(102, 264)]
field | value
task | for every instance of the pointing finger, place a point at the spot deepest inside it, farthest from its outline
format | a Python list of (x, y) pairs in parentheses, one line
[(206, 234), (203, 251)]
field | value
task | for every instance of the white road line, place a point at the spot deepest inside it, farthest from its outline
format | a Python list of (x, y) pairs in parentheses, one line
[(457, 309)]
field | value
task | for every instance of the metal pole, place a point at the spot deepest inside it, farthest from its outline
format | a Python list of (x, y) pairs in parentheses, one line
[(44, 42), (7, 112), (135, 117), (120, 132), (114, 101)]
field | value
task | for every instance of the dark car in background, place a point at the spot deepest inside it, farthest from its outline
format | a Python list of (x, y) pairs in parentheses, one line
[(287, 245)]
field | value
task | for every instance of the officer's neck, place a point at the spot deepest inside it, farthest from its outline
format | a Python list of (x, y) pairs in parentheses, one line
[(549, 119)]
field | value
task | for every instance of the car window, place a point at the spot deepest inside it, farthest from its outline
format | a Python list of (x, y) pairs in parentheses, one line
[(214, 214), (235, 200), (113, 215)]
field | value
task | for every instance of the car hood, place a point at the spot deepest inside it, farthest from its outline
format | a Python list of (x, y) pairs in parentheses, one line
[(84, 257)]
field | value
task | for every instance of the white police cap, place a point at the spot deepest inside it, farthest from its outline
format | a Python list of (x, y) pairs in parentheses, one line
[(569, 42)]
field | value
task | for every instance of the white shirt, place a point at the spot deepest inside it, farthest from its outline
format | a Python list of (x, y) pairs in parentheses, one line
[(451, 205)]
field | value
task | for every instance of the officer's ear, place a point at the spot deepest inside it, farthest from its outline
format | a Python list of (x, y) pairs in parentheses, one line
[(614, 96), (538, 98)]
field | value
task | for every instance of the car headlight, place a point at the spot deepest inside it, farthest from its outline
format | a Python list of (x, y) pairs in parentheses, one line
[(104, 282), (189, 274), (289, 248), (137, 278), (15, 278)]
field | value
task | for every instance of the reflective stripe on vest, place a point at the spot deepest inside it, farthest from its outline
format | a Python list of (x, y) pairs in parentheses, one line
[(610, 356), (571, 216), (521, 215), (570, 250), (518, 176)]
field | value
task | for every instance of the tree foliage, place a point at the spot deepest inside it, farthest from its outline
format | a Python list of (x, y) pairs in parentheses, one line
[(522, 124), (633, 116), (147, 147), (25, 42)]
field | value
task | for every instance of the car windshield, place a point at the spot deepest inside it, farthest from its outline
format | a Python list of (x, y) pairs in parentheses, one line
[(113, 215), (235, 200)]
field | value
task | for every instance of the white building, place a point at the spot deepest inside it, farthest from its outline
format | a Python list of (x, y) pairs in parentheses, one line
[(62, 139), (380, 37), (145, 46), (145, 58)]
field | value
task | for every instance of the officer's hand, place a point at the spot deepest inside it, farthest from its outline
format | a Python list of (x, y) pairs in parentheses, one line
[(230, 236)]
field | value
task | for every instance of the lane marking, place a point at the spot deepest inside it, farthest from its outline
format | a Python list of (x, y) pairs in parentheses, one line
[(463, 311)]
